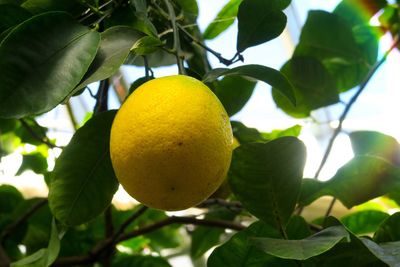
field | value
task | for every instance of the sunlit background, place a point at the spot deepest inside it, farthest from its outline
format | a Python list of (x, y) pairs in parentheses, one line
[(377, 109)]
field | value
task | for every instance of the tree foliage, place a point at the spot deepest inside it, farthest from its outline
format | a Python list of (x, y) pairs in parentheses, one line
[(50, 50)]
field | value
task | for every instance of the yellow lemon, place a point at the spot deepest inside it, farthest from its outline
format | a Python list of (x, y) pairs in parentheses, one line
[(224, 191), (171, 143)]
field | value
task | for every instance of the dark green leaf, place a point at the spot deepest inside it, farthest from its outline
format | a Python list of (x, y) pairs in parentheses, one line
[(364, 222), (33, 161), (330, 39), (244, 134), (234, 92), (30, 131), (11, 15), (189, 8), (83, 181), (46, 256), (389, 230), (386, 252), (10, 198), (360, 180), (146, 45), (239, 252), (297, 228), (266, 178), (40, 6), (313, 86), (376, 144), (64, 49), (259, 21), (353, 253), (305, 248), (204, 238), (225, 18), (358, 12), (258, 72), (140, 261), (115, 45)]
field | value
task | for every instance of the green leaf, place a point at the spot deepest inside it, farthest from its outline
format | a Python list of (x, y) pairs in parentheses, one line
[(358, 12), (225, 18), (297, 228), (139, 261), (244, 134), (64, 49), (204, 238), (305, 248), (189, 8), (33, 161), (259, 21), (83, 181), (266, 178), (46, 256), (376, 144), (364, 222), (361, 179), (239, 252), (10, 196), (353, 253), (268, 75), (115, 45), (11, 15), (291, 131), (234, 92), (389, 230), (330, 39), (386, 252), (313, 87), (40, 6), (146, 45)]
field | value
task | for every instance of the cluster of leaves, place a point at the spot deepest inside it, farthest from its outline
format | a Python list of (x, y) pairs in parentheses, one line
[(50, 50)]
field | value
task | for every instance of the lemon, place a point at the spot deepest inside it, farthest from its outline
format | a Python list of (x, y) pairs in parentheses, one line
[(224, 191), (171, 143)]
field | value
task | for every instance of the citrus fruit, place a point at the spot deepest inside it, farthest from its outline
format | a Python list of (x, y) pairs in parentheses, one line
[(171, 143), (224, 190)]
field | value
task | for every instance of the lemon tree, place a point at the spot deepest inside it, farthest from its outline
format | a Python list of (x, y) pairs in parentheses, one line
[(172, 143)]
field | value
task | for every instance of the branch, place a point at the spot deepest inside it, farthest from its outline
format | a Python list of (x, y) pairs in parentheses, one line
[(105, 244), (102, 97), (237, 57), (35, 207), (177, 44), (230, 205), (44, 140), (133, 217), (4, 259)]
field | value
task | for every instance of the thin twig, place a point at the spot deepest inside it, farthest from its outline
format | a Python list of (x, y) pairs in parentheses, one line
[(71, 115), (10, 229), (102, 96), (177, 43), (44, 140), (105, 244), (4, 259), (131, 219), (237, 57), (231, 205)]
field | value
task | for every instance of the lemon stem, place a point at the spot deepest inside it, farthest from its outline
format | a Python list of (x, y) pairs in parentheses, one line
[(177, 44)]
